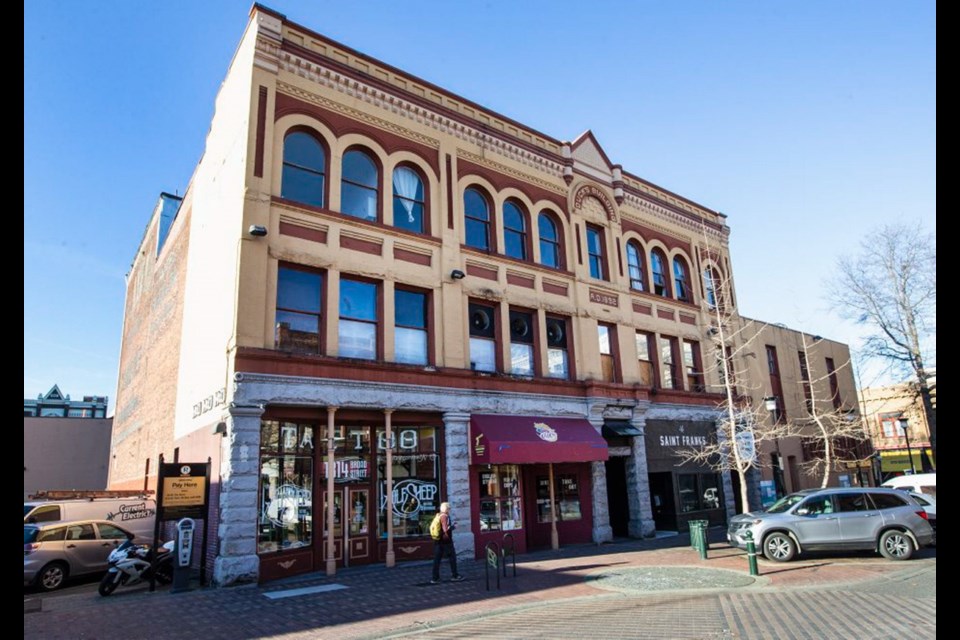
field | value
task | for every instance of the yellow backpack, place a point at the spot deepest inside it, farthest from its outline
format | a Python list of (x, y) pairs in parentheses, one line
[(436, 528)]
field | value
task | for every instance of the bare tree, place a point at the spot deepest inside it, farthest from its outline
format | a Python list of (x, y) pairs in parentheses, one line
[(891, 287), (834, 430), (741, 428)]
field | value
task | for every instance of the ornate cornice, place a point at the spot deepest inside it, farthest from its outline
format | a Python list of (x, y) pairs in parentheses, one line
[(333, 105), (357, 89), (685, 221), (526, 177)]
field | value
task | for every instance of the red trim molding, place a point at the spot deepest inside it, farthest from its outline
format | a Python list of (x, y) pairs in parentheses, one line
[(305, 233), (520, 280), (358, 244), (482, 272), (666, 314), (424, 259)]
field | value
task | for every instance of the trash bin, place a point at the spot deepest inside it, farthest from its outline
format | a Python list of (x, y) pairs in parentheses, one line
[(698, 534)]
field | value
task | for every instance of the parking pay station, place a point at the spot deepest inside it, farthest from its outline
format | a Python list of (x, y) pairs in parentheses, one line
[(184, 552)]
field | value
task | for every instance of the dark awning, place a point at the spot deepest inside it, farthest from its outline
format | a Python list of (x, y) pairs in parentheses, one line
[(534, 439), (620, 428)]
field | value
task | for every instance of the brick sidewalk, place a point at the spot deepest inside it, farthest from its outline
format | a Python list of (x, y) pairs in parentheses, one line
[(378, 601)]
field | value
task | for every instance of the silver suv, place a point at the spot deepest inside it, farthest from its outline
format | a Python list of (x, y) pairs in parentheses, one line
[(836, 519)]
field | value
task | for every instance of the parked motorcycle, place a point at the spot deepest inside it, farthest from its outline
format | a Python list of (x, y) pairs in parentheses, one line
[(131, 563)]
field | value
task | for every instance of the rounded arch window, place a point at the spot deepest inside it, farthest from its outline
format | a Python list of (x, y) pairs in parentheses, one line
[(635, 266), (359, 185), (514, 231), (408, 200), (681, 280), (550, 248), (476, 211), (304, 169), (658, 267)]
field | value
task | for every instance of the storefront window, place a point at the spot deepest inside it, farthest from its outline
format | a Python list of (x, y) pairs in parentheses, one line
[(416, 480), (567, 495), (689, 497), (501, 505), (286, 486), (699, 492)]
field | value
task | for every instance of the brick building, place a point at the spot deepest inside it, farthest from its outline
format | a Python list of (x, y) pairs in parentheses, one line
[(360, 252)]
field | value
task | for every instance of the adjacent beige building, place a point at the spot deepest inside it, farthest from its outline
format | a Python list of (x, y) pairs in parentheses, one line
[(366, 262), (886, 409)]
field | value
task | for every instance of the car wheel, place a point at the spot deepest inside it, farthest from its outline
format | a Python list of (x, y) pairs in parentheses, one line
[(896, 545), (53, 576), (779, 547)]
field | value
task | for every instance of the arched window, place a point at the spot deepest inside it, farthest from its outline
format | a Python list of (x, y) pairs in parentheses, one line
[(477, 219), (635, 266), (359, 185), (658, 266), (710, 284), (680, 281), (514, 231), (408, 200), (304, 169), (549, 241)]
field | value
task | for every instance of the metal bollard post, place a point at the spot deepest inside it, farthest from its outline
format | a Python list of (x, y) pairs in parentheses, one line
[(751, 553), (694, 541), (702, 535)]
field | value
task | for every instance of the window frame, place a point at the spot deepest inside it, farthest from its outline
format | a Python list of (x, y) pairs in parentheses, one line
[(681, 285), (567, 348), (617, 373), (378, 166), (378, 322), (325, 148), (524, 233), (533, 343), (321, 321), (496, 330), (558, 245), (676, 381), (428, 322), (693, 371), (658, 256), (600, 259), (650, 363), (489, 223), (636, 264)]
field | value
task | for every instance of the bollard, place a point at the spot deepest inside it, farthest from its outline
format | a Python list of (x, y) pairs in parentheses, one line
[(702, 535), (693, 534), (493, 560), (751, 553)]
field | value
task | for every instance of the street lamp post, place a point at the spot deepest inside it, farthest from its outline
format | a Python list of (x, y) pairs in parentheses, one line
[(902, 423), (771, 405)]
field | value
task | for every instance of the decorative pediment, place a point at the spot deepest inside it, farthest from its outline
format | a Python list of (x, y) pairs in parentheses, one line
[(54, 393), (586, 150)]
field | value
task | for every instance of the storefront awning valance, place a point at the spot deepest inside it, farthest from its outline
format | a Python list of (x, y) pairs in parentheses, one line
[(533, 440), (620, 429), (894, 461)]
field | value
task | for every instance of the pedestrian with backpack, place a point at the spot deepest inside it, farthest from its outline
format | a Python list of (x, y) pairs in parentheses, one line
[(441, 530)]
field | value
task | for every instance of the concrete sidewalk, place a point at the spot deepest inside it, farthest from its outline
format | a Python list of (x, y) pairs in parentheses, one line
[(375, 602)]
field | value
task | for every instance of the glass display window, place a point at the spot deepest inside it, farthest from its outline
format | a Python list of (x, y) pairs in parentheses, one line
[(416, 480), (501, 499)]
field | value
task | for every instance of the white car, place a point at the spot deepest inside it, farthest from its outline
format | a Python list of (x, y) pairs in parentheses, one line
[(929, 504)]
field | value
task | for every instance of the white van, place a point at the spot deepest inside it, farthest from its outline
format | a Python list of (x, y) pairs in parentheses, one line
[(918, 482), (135, 514)]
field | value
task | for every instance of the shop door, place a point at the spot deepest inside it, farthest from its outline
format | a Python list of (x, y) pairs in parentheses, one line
[(351, 526), (619, 508), (573, 506), (662, 501)]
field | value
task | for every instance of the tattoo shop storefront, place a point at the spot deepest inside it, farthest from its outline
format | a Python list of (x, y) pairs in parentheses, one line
[(682, 491), (293, 532), (531, 477)]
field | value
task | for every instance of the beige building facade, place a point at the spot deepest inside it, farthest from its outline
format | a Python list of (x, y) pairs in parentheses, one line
[(367, 267), (901, 450)]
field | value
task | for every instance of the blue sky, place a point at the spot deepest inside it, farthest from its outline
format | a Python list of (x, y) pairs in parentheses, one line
[(807, 123)]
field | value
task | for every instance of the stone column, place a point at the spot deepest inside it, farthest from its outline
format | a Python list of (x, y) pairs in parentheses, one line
[(237, 559), (602, 531), (457, 455), (641, 523)]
